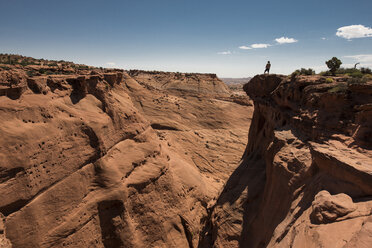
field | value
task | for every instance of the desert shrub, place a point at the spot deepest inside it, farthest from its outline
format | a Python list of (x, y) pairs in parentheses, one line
[(307, 71), (356, 80), (342, 87), (342, 71), (64, 72), (333, 64), (82, 67), (45, 71), (367, 77), (30, 73), (355, 74), (351, 72), (329, 80), (325, 73), (365, 70), (24, 63), (304, 71), (338, 88), (5, 67), (296, 73)]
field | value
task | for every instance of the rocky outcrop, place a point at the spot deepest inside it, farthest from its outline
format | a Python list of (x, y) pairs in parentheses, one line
[(306, 175), (99, 160), (12, 85)]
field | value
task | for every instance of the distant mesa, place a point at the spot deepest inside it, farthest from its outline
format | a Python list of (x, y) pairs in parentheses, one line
[(189, 82)]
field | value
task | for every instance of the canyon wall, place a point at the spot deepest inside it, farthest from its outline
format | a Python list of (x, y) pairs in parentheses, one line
[(100, 160), (306, 175), (151, 159)]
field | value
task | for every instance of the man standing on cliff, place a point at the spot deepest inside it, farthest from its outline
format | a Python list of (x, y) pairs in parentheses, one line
[(268, 65)]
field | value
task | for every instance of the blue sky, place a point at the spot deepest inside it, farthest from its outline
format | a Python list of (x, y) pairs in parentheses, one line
[(231, 38)]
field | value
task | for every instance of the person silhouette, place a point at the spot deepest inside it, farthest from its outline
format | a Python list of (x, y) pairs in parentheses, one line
[(268, 65)]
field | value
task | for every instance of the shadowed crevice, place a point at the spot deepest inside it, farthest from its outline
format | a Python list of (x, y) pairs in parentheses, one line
[(158, 126), (110, 217)]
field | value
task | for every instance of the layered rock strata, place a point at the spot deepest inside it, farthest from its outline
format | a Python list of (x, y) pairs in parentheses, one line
[(99, 160), (306, 175)]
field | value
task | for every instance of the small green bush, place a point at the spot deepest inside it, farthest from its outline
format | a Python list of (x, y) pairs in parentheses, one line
[(368, 77), (351, 72), (24, 63), (325, 73), (5, 67), (366, 70), (342, 71), (45, 71), (356, 80), (329, 80), (30, 73), (355, 74), (342, 87), (303, 71)]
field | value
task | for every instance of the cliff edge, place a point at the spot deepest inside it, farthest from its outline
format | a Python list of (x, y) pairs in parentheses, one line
[(306, 175)]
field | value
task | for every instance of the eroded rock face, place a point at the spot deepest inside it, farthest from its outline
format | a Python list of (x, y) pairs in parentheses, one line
[(4, 242), (306, 175), (12, 84), (99, 160), (327, 208)]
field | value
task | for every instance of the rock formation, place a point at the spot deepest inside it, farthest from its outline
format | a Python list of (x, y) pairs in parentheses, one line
[(306, 175), (97, 159), (92, 157)]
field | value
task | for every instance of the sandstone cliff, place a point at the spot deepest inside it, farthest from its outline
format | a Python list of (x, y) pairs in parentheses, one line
[(97, 159), (101, 158), (306, 175)]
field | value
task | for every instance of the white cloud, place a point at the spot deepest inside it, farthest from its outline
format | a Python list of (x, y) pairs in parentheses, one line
[(245, 47), (110, 63), (224, 53), (354, 31), (323, 38), (285, 40), (363, 58), (254, 46), (260, 45)]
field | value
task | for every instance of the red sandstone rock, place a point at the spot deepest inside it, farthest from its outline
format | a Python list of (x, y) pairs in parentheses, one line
[(99, 160), (104, 159), (306, 175)]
